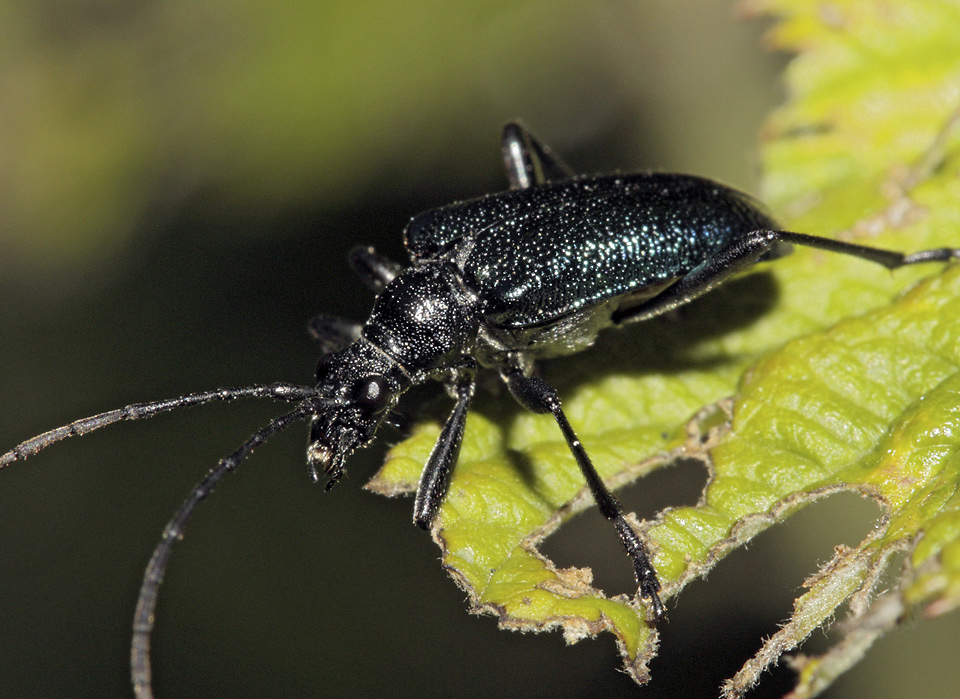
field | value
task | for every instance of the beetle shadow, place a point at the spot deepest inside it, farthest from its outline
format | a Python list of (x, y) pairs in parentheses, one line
[(664, 345)]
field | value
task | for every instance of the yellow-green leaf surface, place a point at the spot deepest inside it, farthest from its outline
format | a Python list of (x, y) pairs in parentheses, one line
[(841, 380)]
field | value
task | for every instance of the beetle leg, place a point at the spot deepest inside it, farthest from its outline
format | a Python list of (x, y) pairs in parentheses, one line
[(537, 395), (436, 474), (374, 269), (891, 259), (333, 333), (747, 250), (528, 161), (702, 278)]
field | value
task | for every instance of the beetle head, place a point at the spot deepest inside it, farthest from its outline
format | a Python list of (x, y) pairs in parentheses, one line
[(421, 323), (357, 388)]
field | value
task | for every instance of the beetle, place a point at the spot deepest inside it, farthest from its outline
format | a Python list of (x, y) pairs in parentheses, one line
[(501, 282)]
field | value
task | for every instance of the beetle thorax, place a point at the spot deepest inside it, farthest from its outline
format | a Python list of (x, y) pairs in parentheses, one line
[(423, 320)]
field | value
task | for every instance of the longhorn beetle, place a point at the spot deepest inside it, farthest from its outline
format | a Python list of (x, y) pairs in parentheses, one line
[(500, 283)]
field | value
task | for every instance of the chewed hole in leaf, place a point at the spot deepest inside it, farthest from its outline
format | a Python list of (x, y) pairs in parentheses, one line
[(764, 578), (697, 653), (589, 540), (750, 593)]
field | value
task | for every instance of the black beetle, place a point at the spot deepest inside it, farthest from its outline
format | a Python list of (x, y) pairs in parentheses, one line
[(498, 282)]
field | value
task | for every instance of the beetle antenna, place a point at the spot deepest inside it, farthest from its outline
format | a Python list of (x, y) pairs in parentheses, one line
[(147, 601), (138, 411)]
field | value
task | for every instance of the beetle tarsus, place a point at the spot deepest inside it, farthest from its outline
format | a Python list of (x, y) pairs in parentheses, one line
[(648, 586)]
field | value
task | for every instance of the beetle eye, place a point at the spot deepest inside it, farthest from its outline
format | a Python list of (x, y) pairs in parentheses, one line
[(323, 368), (370, 393)]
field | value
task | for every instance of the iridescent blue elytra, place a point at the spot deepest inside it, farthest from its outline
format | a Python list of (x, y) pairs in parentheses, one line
[(533, 256), (497, 282)]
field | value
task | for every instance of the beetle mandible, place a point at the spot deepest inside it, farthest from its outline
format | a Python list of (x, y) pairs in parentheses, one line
[(500, 282)]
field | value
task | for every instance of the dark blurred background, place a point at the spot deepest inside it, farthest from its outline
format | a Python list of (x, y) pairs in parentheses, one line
[(179, 185)]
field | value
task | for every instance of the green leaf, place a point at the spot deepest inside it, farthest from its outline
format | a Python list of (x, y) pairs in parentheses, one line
[(864, 397)]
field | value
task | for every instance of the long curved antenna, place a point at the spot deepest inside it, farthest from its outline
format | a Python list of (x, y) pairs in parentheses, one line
[(147, 601), (138, 411)]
